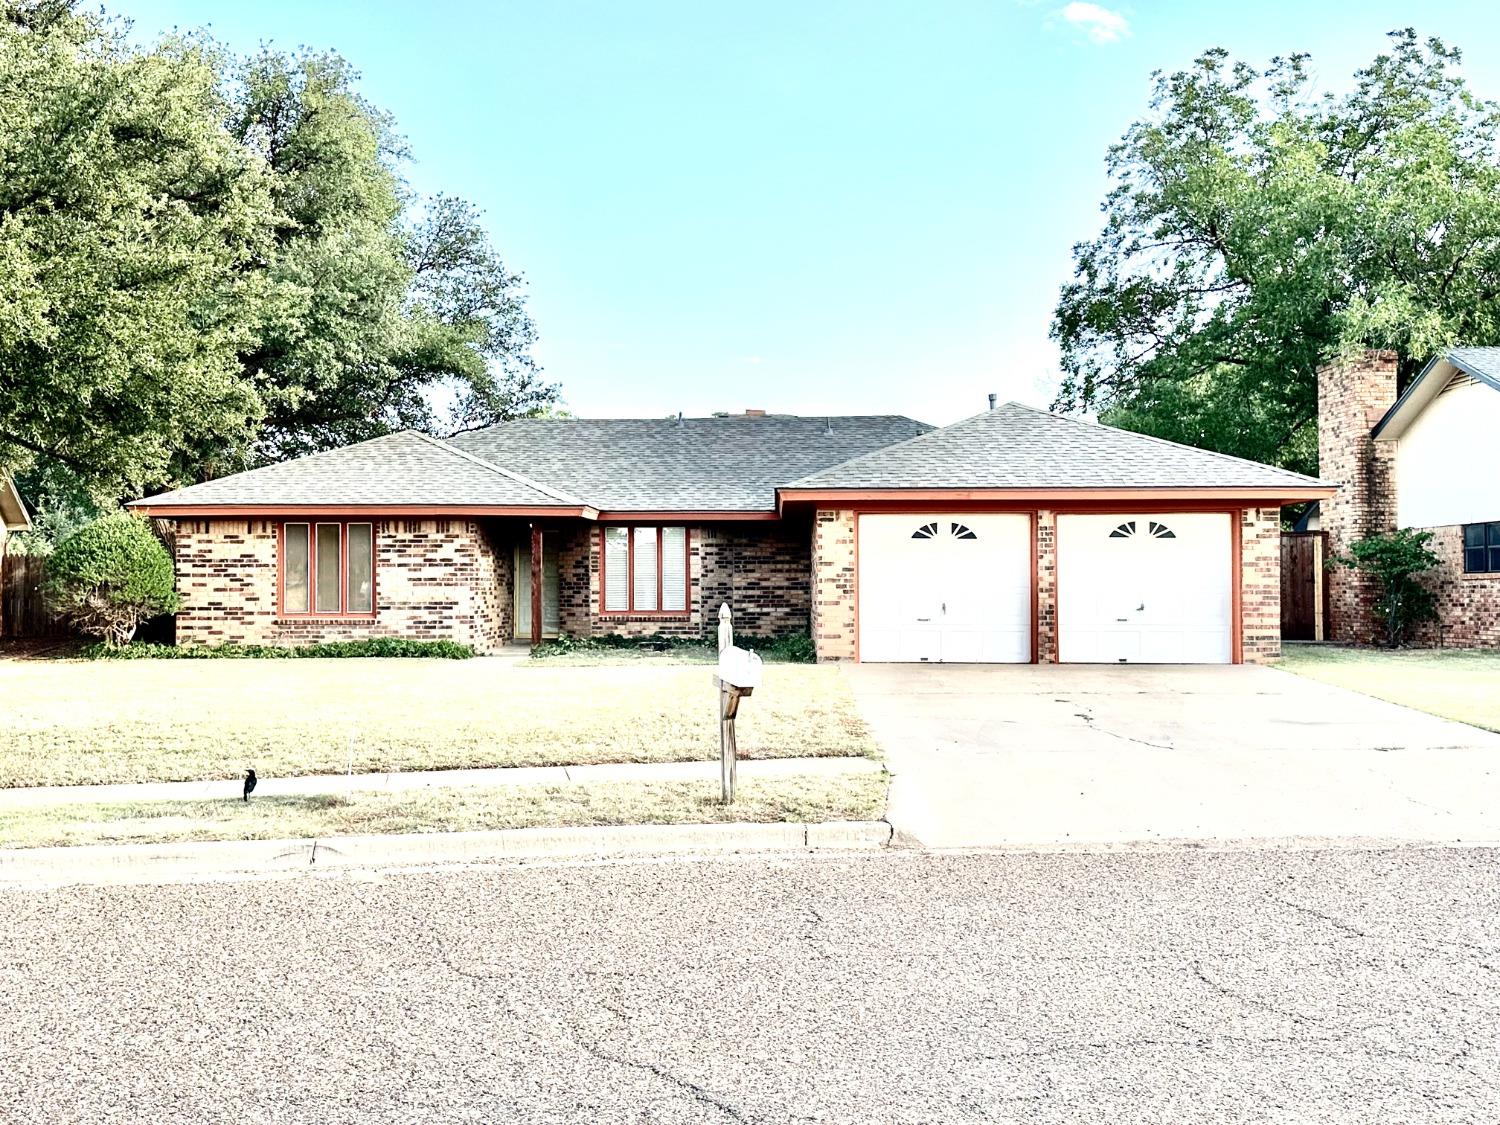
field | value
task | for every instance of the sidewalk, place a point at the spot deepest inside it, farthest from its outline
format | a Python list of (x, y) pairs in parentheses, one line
[(319, 784)]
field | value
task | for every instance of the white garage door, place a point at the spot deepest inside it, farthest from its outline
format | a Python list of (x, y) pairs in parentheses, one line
[(1153, 589), (949, 588)]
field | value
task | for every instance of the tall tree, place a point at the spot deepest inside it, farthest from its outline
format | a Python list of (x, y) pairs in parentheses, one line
[(372, 302), (207, 263), (1256, 230), (130, 222)]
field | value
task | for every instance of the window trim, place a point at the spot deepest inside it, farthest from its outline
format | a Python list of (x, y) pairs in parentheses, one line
[(312, 523), (1491, 531), (687, 573)]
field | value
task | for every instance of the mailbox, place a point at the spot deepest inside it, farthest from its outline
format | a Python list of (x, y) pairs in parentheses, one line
[(739, 668)]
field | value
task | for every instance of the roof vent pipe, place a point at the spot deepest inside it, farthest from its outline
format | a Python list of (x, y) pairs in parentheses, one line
[(828, 425), (993, 397), (679, 417)]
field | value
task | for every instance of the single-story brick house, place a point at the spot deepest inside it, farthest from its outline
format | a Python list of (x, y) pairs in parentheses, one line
[(1424, 459), (1015, 535)]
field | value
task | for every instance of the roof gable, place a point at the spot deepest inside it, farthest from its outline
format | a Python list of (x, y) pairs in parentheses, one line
[(13, 515), (1018, 447), (1478, 365)]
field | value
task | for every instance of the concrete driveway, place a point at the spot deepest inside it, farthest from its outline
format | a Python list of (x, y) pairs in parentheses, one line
[(986, 756)]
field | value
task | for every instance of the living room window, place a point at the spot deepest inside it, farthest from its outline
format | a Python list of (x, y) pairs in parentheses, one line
[(645, 570), (327, 569), (1482, 548)]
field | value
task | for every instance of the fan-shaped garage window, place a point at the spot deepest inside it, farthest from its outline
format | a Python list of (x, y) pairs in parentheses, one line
[(1124, 531), (1162, 531), (926, 531), (962, 532)]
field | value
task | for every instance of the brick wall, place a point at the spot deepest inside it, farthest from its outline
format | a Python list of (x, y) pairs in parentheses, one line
[(833, 624), (1468, 604), (1260, 584), (1046, 587), (434, 579), (1352, 397), (761, 569)]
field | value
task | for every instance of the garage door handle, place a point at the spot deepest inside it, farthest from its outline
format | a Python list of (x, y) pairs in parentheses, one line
[(924, 619)]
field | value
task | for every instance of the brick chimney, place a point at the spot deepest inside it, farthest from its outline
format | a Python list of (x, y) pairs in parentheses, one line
[(1353, 395)]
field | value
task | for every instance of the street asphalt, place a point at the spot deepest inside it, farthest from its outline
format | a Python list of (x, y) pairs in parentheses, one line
[(1280, 986)]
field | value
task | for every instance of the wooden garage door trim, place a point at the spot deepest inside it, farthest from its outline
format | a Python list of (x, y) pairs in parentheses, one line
[(1236, 577), (920, 511)]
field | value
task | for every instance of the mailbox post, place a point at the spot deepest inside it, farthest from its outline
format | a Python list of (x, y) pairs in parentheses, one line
[(737, 676)]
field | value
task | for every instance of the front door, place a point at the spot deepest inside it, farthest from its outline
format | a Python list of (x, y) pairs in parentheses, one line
[(551, 613)]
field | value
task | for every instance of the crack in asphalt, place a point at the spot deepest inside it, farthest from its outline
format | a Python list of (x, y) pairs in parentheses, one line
[(1234, 994), (699, 1093), (1443, 946)]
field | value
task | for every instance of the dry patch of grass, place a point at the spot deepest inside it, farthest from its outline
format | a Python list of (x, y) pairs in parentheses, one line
[(1461, 684), (804, 799), (95, 722)]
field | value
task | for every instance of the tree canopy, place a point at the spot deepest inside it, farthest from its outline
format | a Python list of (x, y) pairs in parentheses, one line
[(1256, 230), (208, 262)]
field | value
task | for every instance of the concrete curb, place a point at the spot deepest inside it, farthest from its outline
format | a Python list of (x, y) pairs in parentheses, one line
[(170, 863)]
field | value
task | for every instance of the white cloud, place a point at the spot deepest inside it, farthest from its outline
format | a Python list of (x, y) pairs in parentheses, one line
[(1101, 25)]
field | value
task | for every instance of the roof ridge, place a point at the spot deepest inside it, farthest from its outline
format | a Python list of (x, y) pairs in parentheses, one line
[(933, 432), (1163, 441), (510, 474)]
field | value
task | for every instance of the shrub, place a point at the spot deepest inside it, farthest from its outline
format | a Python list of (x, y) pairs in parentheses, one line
[(109, 576), (375, 646), (1395, 560)]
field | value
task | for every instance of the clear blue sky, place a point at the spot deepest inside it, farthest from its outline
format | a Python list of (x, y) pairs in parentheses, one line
[(802, 206)]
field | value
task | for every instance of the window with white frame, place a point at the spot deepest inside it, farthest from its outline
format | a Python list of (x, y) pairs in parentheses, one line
[(645, 570), (327, 569)]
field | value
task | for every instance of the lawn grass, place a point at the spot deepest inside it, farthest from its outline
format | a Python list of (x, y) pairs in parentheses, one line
[(804, 799), (1461, 684), (93, 722)]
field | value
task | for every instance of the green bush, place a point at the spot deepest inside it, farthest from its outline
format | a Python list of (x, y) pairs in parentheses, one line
[(109, 576), (375, 646), (793, 648), (1395, 560)]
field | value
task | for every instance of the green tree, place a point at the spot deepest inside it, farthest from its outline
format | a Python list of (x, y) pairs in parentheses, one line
[(110, 575), (207, 263), (373, 302), (1397, 561), (130, 223), (1255, 231)]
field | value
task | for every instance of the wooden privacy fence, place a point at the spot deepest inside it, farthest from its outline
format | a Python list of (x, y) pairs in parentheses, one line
[(23, 610), (1304, 585)]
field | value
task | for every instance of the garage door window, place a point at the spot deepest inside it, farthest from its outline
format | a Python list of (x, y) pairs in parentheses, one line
[(944, 529), (1153, 528)]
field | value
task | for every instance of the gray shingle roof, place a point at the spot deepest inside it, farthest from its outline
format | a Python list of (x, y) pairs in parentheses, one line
[(1482, 363), (400, 468), (1016, 446), (700, 464)]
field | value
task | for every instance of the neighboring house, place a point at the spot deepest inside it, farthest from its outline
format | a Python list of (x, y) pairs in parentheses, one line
[(13, 515), (1424, 460), (1013, 536)]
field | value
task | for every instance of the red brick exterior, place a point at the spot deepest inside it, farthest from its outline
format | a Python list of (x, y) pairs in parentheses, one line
[(1468, 604), (1260, 584), (434, 579), (834, 552), (1046, 587), (761, 569), (452, 579), (1352, 397)]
